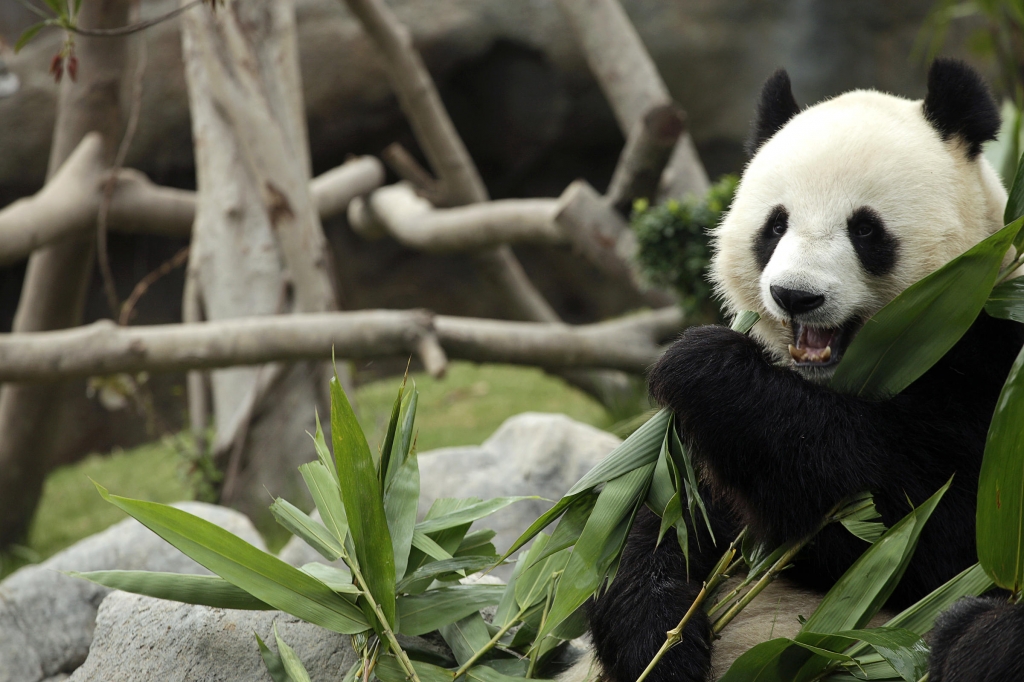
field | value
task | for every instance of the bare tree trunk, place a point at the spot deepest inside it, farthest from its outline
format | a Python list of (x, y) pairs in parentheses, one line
[(257, 246), (53, 294)]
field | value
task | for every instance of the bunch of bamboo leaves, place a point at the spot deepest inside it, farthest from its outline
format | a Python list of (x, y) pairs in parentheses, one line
[(894, 348), (395, 576)]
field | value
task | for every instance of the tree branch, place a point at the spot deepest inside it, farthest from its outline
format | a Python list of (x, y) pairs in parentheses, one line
[(69, 203), (460, 181), (644, 158), (630, 81), (629, 344)]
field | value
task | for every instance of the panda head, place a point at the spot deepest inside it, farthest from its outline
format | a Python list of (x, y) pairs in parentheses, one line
[(847, 203)]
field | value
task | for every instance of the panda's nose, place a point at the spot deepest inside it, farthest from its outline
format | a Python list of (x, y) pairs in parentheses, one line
[(795, 301)]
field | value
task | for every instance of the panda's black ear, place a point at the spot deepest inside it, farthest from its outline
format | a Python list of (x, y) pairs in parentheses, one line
[(774, 109), (960, 104)]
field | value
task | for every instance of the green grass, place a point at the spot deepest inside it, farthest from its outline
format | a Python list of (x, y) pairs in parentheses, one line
[(464, 408), (71, 509)]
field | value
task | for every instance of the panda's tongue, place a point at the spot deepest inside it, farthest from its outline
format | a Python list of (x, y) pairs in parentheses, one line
[(813, 345)]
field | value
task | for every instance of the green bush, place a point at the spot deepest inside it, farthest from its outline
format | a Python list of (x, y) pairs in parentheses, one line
[(674, 251)]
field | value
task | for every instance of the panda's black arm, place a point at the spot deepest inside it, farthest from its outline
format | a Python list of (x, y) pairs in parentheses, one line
[(784, 449), (649, 596), (978, 640)]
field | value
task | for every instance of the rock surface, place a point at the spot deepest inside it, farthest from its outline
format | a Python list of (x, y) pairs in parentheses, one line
[(530, 454), (47, 618), (141, 639)]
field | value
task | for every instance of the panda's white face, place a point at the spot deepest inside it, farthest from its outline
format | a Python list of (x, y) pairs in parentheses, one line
[(849, 203)]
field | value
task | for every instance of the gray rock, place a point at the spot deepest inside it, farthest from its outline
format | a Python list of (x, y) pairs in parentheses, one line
[(530, 454), (139, 639), (47, 618)]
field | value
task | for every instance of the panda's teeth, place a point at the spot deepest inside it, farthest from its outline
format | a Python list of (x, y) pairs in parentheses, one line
[(804, 355)]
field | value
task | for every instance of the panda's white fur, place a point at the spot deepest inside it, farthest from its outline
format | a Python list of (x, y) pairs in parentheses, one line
[(863, 148)]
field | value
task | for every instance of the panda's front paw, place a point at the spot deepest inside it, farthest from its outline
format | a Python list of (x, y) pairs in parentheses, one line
[(978, 640), (703, 362)]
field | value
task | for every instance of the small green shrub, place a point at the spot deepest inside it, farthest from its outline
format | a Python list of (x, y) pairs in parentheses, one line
[(674, 252)]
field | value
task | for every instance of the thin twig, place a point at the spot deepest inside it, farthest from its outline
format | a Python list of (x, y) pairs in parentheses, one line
[(131, 28), (128, 307), (102, 251)]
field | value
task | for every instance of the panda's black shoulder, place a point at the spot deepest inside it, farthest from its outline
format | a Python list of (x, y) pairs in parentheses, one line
[(983, 356)]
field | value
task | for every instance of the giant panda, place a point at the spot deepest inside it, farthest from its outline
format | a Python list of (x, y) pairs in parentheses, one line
[(842, 206)]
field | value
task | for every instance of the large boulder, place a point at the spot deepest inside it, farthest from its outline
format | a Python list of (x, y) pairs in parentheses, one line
[(47, 618), (138, 638)]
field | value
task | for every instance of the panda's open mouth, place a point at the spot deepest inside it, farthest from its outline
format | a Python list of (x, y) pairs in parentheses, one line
[(821, 346)]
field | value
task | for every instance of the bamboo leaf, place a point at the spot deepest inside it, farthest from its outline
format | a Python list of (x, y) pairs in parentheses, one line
[(483, 673), (685, 467), (906, 337), (662, 486), (1000, 515), (28, 34), (320, 444), (400, 503), (390, 670), (640, 449), (1007, 299), (275, 666), (262, 575), (904, 650), (403, 446), (292, 665), (599, 544), (389, 440), (327, 496), (313, 533), (672, 515), (864, 588), (476, 540), (570, 526), (469, 514), (920, 617), (471, 564), (423, 613), (545, 520), (532, 583), (466, 636), (364, 504), (766, 662), (338, 579), (425, 544), (1015, 200), (202, 590), (861, 521), (442, 543)]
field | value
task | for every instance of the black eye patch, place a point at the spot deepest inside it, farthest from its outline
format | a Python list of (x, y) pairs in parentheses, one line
[(769, 235), (876, 248)]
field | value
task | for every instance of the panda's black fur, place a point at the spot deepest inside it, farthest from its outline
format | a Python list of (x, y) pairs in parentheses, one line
[(778, 451)]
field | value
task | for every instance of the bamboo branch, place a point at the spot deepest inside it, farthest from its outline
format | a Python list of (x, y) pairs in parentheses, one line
[(629, 344), (69, 203)]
